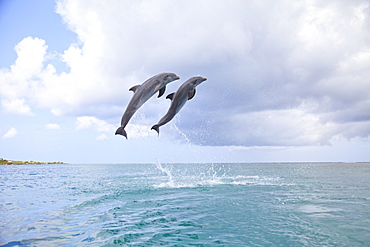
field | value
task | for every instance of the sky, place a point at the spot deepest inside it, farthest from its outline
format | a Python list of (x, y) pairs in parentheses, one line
[(287, 81)]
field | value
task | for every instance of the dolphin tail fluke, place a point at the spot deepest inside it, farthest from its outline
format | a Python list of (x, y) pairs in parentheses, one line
[(121, 131), (156, 128)]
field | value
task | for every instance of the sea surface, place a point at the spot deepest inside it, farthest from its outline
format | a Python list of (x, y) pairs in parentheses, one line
[(267, 204)]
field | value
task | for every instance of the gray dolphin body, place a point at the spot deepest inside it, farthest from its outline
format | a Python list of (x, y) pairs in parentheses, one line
[(185, 92), (142, 93)]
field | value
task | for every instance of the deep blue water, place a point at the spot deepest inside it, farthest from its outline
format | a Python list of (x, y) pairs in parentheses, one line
[(296, 204)]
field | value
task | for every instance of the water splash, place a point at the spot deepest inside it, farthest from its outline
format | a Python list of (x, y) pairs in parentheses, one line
[(168, 171), (207, 175), (199, 175)]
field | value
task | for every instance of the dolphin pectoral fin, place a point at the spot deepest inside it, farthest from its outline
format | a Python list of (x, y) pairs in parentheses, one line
[(161, 91), (134, 88), (170, 96), (121, 131), (191, 94), (156, 128)]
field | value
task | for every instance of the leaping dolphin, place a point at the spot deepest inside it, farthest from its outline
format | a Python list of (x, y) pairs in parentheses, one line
[(142, 93), (185, 92)]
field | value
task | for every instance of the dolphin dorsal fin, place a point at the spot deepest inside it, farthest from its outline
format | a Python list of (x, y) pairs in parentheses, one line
[(170, 96), (134, 88), (191, 94), (161, 91)]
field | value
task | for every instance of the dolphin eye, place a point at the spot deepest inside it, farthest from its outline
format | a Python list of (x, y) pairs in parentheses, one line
[(165, 78)]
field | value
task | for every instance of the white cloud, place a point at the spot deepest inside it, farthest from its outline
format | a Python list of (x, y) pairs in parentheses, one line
[(11, 133), (87, 122), (31, 54), (16, 106), (20, 81), (52, 126)]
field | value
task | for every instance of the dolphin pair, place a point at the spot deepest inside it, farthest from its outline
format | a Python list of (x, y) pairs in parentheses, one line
[(154, 84)]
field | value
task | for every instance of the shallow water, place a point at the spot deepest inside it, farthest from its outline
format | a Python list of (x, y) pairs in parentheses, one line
[(297, 204)]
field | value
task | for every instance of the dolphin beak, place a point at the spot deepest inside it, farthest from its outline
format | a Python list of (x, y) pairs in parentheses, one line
[(177, 77), (204, 79)]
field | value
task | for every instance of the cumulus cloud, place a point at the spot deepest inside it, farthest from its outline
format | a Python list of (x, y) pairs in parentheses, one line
[(281, 73), (11, 133), (18, 83), (16, 106), (87, 122)]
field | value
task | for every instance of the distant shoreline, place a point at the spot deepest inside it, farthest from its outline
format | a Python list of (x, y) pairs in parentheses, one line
[(16, 162)]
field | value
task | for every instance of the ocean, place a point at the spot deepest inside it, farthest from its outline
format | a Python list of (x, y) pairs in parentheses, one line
[(251, 204)]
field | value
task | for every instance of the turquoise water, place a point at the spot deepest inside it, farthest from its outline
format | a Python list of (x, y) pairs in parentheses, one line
[(296, 204)]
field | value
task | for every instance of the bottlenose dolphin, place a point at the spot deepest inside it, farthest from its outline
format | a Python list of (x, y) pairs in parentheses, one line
[(142, 93), (185, 92)]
